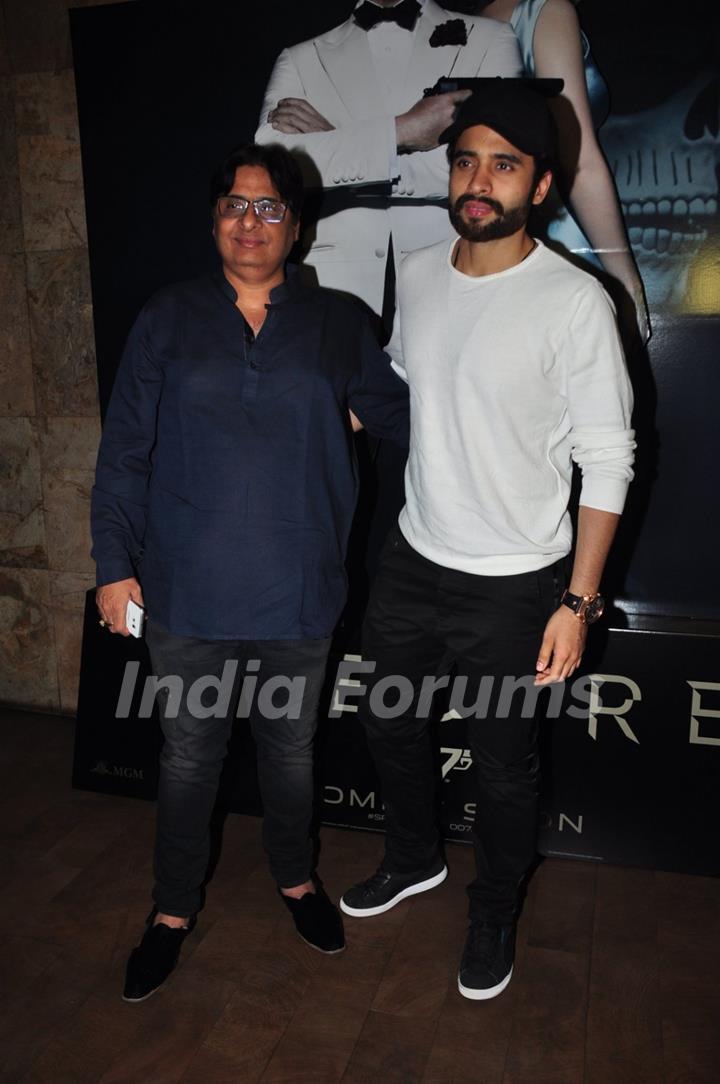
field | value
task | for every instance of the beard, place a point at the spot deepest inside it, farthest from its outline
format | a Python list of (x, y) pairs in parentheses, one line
[(505, 224)]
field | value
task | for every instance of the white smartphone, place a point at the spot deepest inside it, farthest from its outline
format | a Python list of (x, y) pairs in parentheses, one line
[(135, 619)]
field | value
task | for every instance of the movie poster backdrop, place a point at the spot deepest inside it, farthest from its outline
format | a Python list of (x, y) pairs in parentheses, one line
[(164, 91)]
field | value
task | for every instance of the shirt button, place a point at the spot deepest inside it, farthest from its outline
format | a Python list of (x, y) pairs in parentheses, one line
[(254, 365), (379, 252)]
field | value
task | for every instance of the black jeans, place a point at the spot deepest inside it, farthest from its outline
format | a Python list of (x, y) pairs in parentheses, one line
[(195, 747), (423, 620)]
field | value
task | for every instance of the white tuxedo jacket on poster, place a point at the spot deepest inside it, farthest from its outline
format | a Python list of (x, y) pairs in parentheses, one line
[(336, 74)]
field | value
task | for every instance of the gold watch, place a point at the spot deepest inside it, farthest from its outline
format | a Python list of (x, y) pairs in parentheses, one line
[(587, 608)]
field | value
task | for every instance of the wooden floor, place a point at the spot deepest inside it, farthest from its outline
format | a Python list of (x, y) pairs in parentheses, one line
[(616, 978)]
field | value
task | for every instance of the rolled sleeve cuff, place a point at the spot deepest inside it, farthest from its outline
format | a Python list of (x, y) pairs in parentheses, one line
[(112, 570), (606, 461), (605, 494)]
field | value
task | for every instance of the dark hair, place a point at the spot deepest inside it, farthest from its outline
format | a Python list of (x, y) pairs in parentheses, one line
[(543, 165), (283, 170)]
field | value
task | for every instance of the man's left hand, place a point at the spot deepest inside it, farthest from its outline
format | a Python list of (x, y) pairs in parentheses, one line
[(562, 647), (295, 115)]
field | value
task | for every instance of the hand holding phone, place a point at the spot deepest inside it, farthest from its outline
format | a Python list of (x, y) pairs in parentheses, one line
[(135, 619)]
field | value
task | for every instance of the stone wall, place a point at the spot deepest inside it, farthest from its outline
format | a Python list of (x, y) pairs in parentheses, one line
[(49, 417)]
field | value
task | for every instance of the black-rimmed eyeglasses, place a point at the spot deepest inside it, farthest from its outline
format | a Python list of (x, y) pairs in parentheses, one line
[(266, 209)]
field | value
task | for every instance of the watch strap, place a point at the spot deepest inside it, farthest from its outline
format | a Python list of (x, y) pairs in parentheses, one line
[(581, 604)]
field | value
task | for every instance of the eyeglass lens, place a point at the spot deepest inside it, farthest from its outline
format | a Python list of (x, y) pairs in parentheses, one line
[(269, 210)]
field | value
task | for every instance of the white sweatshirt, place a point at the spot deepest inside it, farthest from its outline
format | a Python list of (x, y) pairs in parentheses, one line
[(512, 376)]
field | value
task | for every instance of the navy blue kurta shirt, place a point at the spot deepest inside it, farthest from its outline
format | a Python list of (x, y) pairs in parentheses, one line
[(226, 477)]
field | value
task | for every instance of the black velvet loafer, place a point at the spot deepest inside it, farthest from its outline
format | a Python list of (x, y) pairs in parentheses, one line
[(317, 920), (154, 958)]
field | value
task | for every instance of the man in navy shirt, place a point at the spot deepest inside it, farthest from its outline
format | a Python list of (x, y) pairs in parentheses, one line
[(226, 485)]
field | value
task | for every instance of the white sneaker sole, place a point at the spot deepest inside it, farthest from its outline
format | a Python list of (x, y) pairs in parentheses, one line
[(484, 995), (411, 890)]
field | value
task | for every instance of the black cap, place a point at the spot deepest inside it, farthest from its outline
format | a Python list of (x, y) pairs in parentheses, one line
[(515, 108)]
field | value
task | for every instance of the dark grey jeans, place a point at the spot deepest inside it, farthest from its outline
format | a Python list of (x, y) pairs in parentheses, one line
[(195, 747)]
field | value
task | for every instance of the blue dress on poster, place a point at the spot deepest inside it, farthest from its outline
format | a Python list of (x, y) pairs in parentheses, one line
[(563, 228)]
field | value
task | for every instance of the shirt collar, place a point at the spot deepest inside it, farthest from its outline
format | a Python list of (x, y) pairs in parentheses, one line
[(284, 291)]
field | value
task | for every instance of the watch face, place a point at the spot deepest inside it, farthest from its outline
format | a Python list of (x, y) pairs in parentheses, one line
[(594, 609)]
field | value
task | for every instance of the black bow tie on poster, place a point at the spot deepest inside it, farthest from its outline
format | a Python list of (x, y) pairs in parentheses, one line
[(404, 14)]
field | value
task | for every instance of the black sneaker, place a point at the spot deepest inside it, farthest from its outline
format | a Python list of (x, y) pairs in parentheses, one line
[(383, 890), (154, 958), (487, 961), (317, 920)]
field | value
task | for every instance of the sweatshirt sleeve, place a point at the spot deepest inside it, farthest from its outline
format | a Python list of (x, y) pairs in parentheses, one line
[(119, 496), (600, 401)]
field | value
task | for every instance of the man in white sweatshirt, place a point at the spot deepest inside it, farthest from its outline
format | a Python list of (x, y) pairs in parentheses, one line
[(515, 371)]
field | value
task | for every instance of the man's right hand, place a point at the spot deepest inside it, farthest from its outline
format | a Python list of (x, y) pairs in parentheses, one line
[(112, 600), (421, 127)]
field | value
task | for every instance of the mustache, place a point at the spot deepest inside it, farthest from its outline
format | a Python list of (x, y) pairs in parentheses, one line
[(468, 198)]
